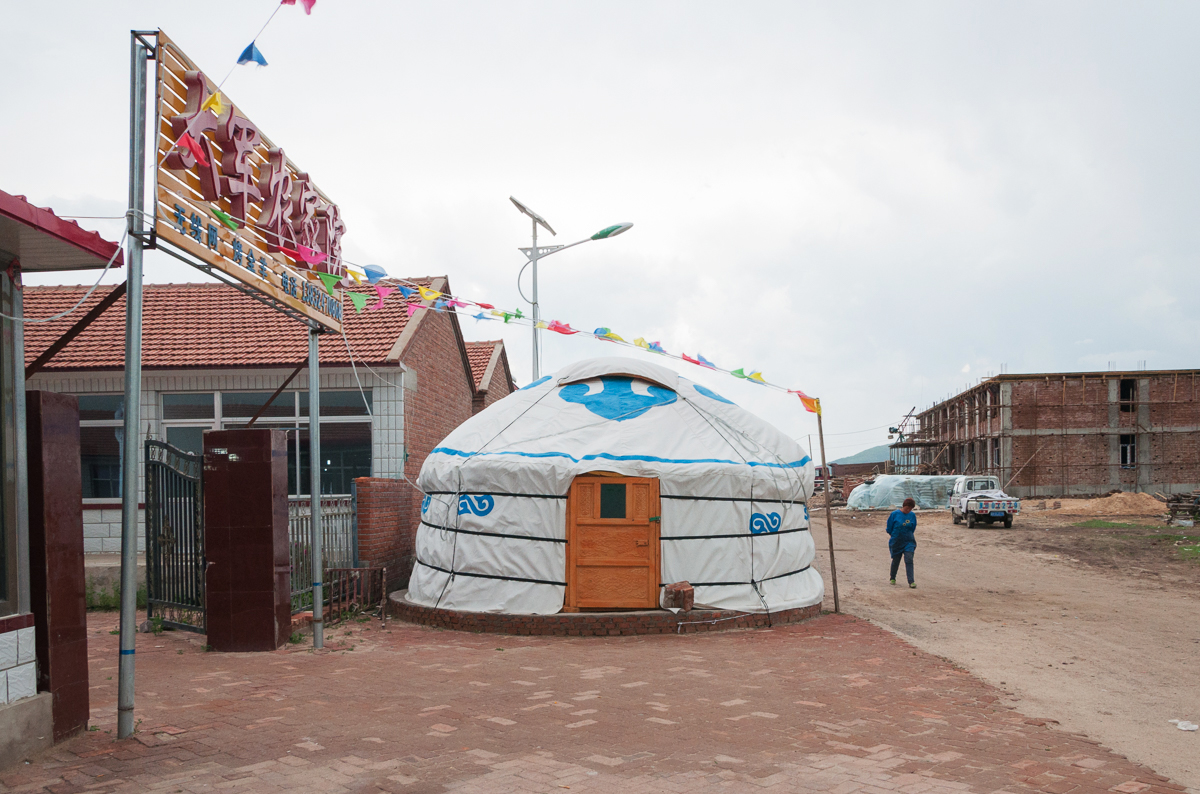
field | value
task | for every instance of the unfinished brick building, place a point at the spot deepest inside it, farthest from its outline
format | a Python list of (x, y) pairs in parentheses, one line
[(1064, 434)]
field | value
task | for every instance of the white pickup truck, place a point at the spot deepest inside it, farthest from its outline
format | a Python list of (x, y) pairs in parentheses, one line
[(978, 498)]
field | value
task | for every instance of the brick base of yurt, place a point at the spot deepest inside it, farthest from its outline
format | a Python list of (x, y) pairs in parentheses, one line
[(593, 624)]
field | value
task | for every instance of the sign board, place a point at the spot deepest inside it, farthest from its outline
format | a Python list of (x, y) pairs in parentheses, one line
[(228, 196)]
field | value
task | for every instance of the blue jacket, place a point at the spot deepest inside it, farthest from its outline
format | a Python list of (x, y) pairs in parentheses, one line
[(902, 529)]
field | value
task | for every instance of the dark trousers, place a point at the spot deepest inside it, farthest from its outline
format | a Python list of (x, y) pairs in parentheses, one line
[(908, 568)]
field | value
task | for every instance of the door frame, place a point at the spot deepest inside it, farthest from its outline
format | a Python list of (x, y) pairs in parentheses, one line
[(654, 510)]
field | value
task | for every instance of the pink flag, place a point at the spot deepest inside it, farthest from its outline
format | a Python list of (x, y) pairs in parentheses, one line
[(310, 256), (383, 293), (308, 4)]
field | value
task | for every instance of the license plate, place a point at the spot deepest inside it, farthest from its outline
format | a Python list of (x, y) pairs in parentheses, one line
[(998, 513)]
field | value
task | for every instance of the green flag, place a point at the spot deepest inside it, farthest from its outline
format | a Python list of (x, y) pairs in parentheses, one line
[(359, 300), (329, 280), (737, 373), (225, 218)]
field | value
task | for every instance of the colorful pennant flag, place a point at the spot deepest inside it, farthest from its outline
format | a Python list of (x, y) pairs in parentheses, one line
[(455, 303), (290, 253), (811, 404), (485, 305), (429, 294), (329, 280), (308, 4), (189, 143), (214, 104), (737, 373), (562, 328), (251, 53), (407, 291), (756, 377), (642, 343), (606, 333), (374, 273), (540, 324), (439, 305), (383, 293), (655, 347), (310, 256), (225, 218), (411, 308), (358, 299), (482, 316)]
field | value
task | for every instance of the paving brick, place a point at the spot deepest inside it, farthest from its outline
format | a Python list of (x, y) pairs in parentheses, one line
[(400, 713)]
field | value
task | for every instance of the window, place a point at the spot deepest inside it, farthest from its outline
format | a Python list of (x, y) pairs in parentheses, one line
[(612, 500), (1128, 452), (1128, 395), (101, 439), (996, 453)]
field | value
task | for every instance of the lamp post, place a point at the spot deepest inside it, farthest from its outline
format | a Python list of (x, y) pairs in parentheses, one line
[(534, 253)]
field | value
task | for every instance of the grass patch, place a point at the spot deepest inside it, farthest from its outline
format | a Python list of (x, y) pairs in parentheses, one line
[(1097, 524), (103, 598)]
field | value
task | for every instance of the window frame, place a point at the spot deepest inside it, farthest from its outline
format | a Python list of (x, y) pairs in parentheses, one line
[(1128, 450), (113, 423)]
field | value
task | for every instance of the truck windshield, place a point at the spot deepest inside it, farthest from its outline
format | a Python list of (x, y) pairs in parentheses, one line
[(981, 485)]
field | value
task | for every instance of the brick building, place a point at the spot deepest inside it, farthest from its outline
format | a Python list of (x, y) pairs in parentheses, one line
[(1065, 433), (489, 367), (213, 356)]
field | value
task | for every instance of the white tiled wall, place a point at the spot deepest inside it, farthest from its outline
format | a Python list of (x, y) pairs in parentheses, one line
[(102, 527), (18, 665)]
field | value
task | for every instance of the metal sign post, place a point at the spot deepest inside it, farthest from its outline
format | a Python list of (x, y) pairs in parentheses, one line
[(314, 481), (837, 606), (140, 52)]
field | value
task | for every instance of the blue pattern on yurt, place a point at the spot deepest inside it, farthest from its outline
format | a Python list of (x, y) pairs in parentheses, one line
[(617, 399)]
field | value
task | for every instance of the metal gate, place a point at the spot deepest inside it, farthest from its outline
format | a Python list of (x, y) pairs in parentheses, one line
[(175, 559)]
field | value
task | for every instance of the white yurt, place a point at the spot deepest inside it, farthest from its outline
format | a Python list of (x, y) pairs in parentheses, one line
[(594, 487)]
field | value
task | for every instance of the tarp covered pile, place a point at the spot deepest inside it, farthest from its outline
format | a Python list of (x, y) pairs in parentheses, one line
[(890, 490)]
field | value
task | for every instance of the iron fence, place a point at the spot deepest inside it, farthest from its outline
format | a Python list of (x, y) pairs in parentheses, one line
[(339, 542), (175, 558), (355, 589)]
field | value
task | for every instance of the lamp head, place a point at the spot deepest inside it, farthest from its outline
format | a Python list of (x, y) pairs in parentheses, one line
[(612, 231)]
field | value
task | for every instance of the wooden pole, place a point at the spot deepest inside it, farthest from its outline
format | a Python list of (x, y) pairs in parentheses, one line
[(837, 606)]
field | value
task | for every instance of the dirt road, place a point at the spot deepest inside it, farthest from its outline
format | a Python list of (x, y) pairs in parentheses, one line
[(1105, 652)]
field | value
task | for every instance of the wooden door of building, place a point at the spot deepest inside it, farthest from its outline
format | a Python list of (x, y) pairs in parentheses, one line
[(612, 543)]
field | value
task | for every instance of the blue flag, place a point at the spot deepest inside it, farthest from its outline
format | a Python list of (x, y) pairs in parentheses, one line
[(252, 53)]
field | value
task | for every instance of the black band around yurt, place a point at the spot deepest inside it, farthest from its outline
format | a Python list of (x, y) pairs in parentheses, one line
[(496, 493), (491, 534), (751, 584), (732, 499), (737, 535), (419, 561)]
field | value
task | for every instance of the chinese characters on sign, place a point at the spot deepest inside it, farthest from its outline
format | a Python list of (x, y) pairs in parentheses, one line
[(228, 196)]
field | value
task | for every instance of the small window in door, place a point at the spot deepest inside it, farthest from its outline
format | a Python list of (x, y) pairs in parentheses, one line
[(612, 500)]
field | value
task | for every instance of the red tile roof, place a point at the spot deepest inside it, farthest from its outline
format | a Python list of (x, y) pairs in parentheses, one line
[(204, 326), (480, 355)]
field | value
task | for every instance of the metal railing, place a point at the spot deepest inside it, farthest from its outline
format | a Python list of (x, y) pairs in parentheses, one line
[(355, 589), (339, 542)]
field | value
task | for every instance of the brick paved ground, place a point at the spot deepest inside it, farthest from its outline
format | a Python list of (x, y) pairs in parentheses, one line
[(832, 705)]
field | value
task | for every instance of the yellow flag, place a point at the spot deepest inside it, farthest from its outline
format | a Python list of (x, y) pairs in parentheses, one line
[(429, 294), (214, 104), (357, 277), (642, 343), (497, 313), (541, 324), (756, 376)]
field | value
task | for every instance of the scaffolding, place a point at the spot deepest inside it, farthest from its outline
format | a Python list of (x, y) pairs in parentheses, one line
[(1063, 434)]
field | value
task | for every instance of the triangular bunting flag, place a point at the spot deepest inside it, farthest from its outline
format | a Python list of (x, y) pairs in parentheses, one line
[(214, 104), (383, 293), (374, 273), (655, 347), (704, 362), (407, 292), (411, 308), (642, 343), (358, 299), (225, 218), (540, 324), (811, 404), (251, 53), (756, 377), (329, 280), (429, 294), (485, 305), (737, 373), (309, 255), (308, 4), (439, 305), (562, 328), (189, 143)]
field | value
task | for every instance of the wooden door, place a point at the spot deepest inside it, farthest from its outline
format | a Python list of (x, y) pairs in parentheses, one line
[(612, 543)]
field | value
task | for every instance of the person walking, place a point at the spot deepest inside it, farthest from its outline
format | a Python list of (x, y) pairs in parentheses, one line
[(902, 527)]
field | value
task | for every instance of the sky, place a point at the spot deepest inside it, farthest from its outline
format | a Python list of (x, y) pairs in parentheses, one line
[(877, 203)]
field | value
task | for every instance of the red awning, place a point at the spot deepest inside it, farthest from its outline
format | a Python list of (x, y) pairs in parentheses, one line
[(43, 241)]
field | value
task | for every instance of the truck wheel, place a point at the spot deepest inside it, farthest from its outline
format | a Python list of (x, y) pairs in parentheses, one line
[(970, 520), (1008, 522), (955, 517)]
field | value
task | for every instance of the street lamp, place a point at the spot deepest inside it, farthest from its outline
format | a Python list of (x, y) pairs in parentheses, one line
[(534, 253)]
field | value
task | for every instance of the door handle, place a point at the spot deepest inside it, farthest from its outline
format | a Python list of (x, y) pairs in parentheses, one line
[(643, 543)]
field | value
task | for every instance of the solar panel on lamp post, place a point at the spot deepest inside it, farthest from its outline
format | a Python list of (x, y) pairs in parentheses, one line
[(534, 253)]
